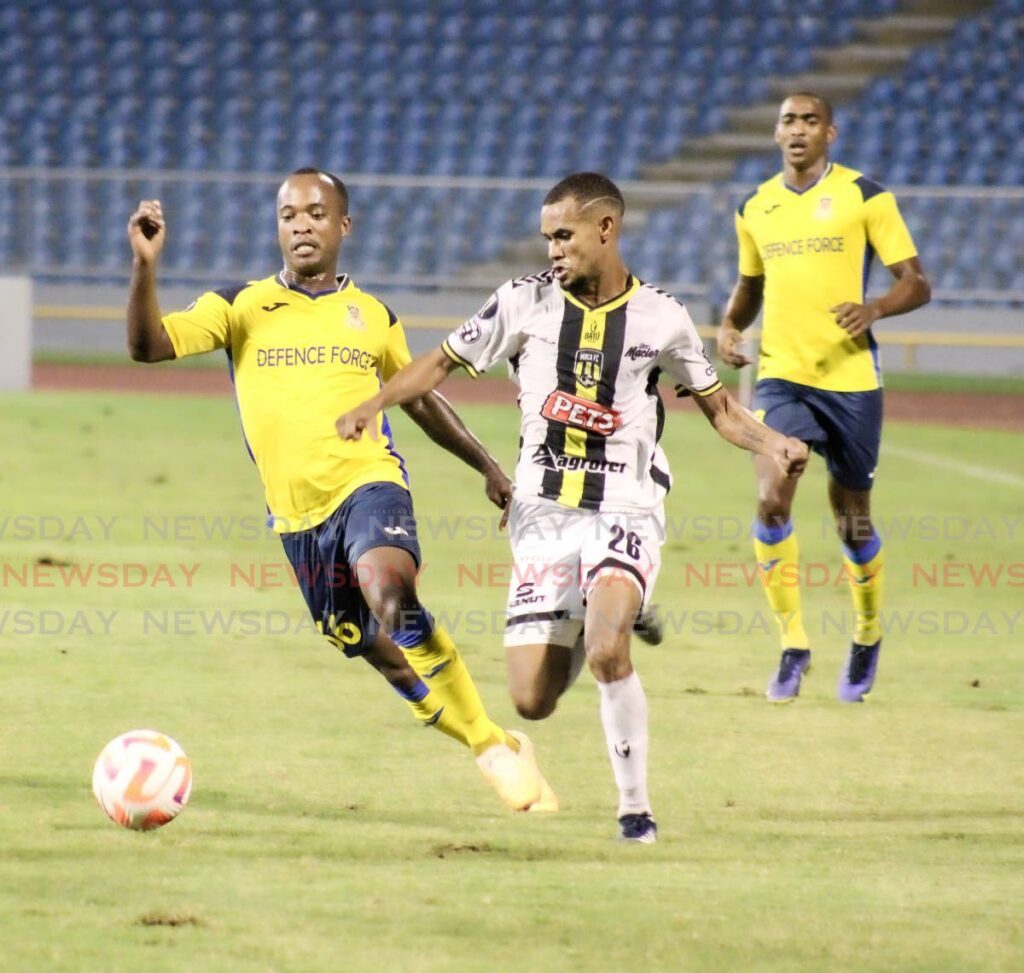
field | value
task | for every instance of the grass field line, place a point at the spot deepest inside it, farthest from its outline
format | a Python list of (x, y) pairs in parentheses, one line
[(986, 473)]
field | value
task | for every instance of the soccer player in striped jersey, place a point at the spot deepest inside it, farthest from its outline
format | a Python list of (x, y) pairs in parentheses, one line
[(807, 237), (303, 345), (586, 342)]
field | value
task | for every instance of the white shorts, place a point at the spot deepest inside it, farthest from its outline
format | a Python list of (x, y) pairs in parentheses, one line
[(558, 552)]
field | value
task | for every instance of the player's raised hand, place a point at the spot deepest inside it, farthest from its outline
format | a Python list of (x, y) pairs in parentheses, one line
[(729, 341), (499, 491), (147, 231), (352, 424), (791, 455), (854, 319)]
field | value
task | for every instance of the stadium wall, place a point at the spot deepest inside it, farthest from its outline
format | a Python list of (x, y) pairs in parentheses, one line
[(84, 320)]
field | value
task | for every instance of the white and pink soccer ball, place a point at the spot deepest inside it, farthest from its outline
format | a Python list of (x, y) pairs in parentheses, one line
[(142, 779)]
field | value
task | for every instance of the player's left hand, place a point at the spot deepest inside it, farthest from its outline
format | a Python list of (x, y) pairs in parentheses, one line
[(352, 424), (854, 319), (499, 491), (792, 455)]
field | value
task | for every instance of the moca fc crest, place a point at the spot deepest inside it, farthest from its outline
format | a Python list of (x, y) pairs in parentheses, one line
[(587, 367)]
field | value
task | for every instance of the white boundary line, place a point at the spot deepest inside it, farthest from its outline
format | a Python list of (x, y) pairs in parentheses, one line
[(985, 473)]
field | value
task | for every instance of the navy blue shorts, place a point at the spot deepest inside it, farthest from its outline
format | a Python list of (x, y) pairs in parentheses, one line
[(843, 427), (376, 515)]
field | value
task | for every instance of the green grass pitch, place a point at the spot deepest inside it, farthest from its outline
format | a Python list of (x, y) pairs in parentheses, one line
[(327, 832)]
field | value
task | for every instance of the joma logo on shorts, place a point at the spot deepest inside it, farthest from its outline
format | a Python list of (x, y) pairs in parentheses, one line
[(571, 410)]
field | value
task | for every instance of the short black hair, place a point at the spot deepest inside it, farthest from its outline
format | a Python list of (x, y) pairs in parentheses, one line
[(586, 187), (826, 105), (338, 185)]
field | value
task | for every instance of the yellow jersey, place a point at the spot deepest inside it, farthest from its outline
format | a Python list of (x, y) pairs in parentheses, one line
[(298, 361), (814, 249)]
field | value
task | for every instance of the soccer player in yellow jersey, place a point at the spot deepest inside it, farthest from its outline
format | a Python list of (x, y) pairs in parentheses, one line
[(304, 345), (806, 241)]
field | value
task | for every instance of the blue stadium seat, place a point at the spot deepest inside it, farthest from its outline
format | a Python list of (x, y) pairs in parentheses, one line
[(489, 88)]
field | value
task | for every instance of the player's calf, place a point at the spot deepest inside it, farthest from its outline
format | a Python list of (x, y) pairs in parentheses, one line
[(538, 674), (534, 703)]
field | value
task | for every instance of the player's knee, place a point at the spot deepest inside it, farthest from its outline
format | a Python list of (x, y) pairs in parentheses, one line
[(608, 660), (392, 604)]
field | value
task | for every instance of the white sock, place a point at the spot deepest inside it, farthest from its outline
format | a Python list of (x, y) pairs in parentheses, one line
[(624, 718)]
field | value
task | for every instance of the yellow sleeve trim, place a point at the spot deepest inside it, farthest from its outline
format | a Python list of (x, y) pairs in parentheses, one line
[(458, 359), (709, 390)]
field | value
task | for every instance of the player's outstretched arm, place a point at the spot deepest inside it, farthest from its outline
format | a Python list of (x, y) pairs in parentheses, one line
[(147, 339), (738, 426), (413, 381), (744, 303), (435, 416)]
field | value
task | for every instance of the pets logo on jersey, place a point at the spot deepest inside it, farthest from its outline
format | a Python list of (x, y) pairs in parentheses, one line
[(571, 410)]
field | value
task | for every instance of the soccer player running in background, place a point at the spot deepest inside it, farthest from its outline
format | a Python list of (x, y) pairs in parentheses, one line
[(304, 345), (586, 342), (806, 240)]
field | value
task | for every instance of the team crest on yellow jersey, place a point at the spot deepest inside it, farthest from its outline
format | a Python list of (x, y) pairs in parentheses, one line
[(355, 319), (824, 210), (587, 367)]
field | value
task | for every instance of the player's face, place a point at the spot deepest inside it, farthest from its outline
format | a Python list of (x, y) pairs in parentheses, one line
[(803, 131), (574, 241), (310, 224)]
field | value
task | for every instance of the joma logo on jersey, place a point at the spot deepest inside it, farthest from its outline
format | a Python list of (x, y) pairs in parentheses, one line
[(571, 410), (587, 367)]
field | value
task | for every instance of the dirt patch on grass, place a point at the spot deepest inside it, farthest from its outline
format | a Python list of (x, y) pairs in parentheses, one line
[(168, 919), (55, 376)]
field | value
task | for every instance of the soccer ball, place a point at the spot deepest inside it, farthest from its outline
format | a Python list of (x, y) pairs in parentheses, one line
[(142, 779)]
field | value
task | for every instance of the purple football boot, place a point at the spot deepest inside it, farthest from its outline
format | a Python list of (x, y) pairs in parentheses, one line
[(785, 684), (858, 675)]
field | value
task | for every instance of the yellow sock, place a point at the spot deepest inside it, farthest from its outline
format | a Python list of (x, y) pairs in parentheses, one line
[(778, 563), (437, 661), (864, 571), (430, 711)]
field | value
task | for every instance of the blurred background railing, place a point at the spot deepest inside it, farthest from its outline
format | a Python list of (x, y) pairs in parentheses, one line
[(447, 232)]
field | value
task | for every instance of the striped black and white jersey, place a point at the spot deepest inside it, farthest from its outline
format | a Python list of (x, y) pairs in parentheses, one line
[(587, 377)]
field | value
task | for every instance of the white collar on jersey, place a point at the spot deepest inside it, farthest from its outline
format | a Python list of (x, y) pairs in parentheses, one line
[(800, 192), (282, 279)]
